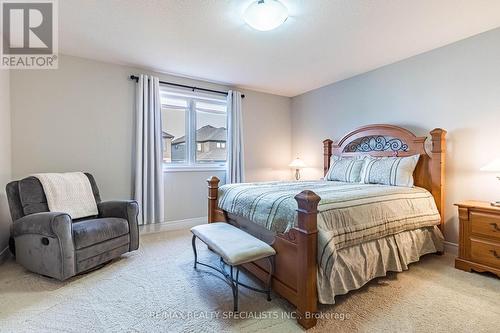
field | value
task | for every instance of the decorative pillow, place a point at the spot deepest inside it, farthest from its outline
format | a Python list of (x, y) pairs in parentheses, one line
[(395, 171), (345, 169)]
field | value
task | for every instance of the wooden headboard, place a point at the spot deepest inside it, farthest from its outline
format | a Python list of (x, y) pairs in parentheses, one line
[(389, 140)]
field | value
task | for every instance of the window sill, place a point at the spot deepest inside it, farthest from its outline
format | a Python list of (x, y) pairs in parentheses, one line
[(202, 168)]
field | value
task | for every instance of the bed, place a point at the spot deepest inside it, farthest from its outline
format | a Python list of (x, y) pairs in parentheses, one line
[(333, 237)]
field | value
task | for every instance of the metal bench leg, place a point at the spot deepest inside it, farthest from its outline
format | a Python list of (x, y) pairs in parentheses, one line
[(270, 277), (234, 286), (233, 279), (193, 242), (236, 290)]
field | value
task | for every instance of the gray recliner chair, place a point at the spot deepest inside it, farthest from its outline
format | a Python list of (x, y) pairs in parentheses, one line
[(52, 244)]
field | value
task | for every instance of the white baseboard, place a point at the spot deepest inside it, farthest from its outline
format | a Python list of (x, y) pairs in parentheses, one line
[(172, 225), (451, 248)]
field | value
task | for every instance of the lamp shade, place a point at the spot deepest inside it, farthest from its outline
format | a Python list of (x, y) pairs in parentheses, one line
[(297, 164), (493, 166)]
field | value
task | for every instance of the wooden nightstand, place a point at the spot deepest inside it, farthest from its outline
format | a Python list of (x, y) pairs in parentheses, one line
[(479, 244)]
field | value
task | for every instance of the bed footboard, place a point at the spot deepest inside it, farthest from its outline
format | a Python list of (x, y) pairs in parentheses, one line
[(294, 277), (307, 246)]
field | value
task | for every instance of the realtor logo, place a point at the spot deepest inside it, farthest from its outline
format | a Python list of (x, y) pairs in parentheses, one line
[(29, 34)]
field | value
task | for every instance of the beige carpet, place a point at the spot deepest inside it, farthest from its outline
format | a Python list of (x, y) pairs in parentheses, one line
[(156, 289)]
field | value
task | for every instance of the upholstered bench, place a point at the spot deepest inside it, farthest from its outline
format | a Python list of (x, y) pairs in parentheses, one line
[(235, 247)]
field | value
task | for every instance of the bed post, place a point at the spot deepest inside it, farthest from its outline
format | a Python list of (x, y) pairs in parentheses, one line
[(327, 154), (213, 193), (437, 169), (307, 243)]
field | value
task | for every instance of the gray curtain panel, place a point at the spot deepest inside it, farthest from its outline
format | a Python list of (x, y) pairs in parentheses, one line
[(149, 191), (235, 161)]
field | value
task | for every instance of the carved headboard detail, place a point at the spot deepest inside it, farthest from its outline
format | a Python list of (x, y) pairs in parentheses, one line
[(373, 143), (390, 140)]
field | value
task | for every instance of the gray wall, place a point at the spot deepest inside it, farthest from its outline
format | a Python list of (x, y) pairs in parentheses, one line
[(456, 87), (5, 158), (80, 117)]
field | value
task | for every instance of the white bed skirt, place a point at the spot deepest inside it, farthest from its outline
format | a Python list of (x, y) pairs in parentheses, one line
[(356, 265)]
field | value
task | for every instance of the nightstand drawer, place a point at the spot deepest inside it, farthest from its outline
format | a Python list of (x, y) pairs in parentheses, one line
[(487, 253), (485, 224)]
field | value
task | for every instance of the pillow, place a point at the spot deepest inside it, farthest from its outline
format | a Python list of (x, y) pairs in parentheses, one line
[(345, 169), (395, 171)]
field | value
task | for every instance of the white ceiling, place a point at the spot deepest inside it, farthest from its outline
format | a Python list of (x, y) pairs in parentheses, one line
[(323, 41)]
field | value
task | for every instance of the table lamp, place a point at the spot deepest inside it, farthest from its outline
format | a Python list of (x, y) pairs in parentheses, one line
[(493, 166), (297, 164)]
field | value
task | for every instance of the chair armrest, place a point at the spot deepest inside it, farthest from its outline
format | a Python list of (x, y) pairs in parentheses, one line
[(118, 208), (50, 224), (125, 209), (58, 259)]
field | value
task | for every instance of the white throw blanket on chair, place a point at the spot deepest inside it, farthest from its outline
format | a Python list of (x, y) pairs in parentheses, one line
[(69, 193)]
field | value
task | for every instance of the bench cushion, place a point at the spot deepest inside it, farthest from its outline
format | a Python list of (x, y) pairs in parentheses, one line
[(235, 246)]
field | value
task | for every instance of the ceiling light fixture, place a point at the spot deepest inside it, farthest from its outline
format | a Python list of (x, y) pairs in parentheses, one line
[(265, 15)]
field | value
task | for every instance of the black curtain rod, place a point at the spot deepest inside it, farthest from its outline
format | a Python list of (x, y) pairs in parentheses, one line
[(136, 79)]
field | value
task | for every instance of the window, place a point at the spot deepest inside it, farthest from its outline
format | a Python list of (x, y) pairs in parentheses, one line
[(194, 129), (221, 145), (174, 134)]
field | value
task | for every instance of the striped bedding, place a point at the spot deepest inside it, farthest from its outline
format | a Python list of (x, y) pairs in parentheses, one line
[(349, 213), (351, 218)]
